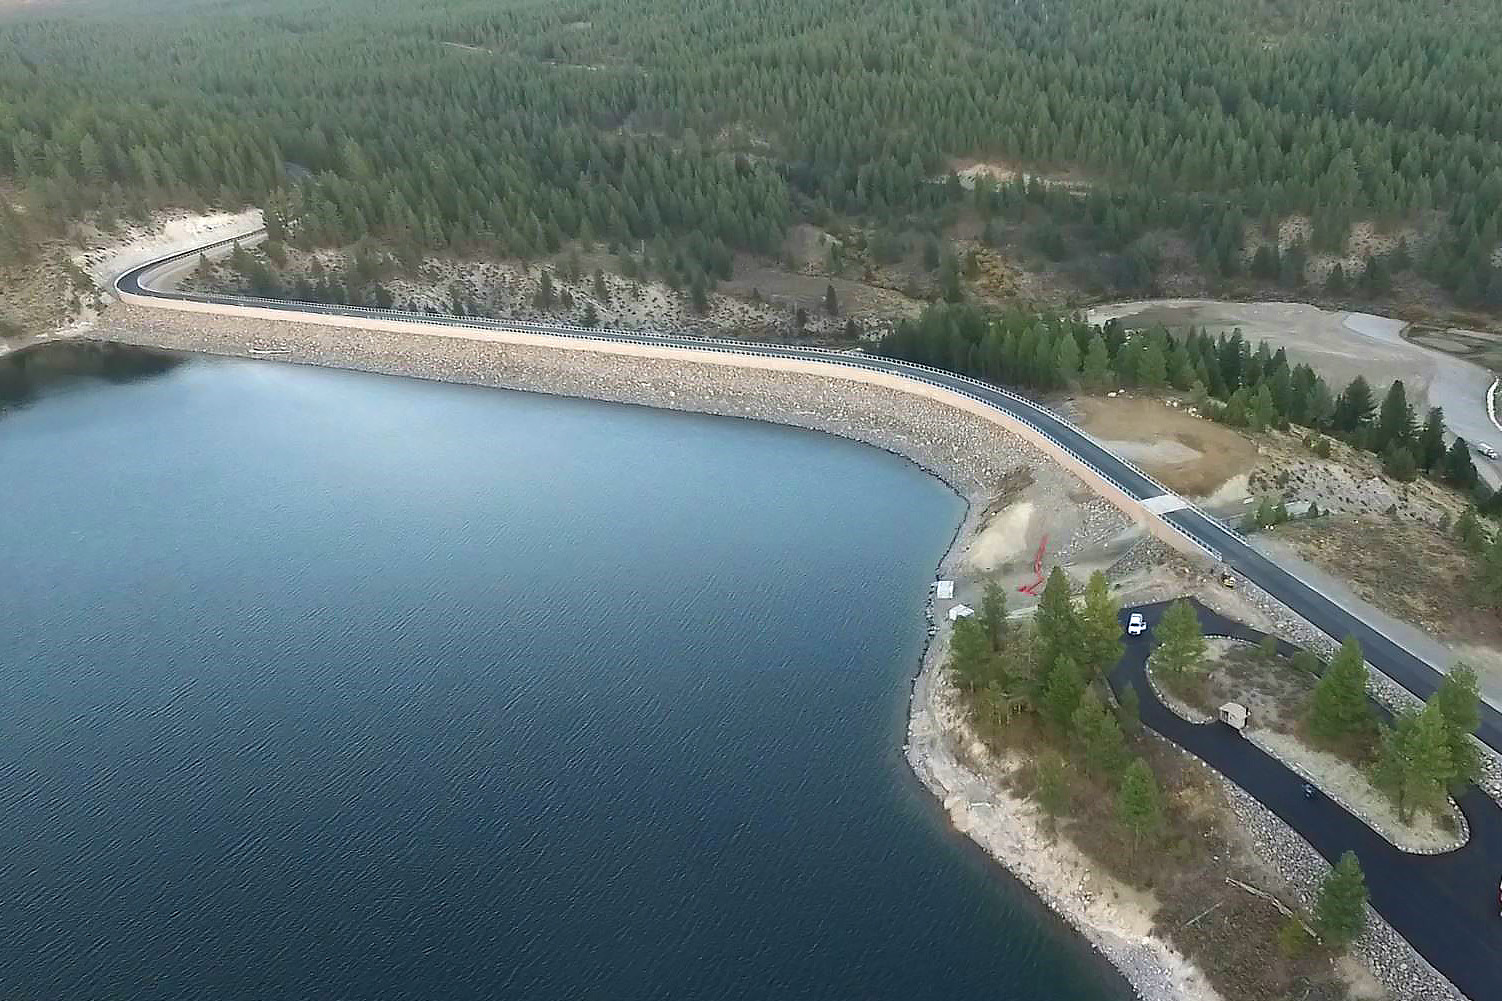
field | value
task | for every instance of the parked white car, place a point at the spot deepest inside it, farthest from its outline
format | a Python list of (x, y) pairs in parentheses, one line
[(1136, 625), (1486, 450)]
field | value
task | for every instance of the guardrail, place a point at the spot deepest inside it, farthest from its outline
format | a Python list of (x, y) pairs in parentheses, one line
[(1027, 412)]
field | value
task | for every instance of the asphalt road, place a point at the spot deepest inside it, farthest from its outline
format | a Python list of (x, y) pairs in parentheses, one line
[(1445, 905), (1396, 662)]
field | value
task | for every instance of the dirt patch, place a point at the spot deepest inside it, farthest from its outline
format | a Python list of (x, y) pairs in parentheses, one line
[(1004, 538), (1187, 454), (1405, 567), (1001, 171), (1274, 693)]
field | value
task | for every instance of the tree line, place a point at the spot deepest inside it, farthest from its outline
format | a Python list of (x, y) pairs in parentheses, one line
[(1229, 380)]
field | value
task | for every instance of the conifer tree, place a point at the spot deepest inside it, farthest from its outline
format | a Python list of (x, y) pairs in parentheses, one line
[(1137, 803), (993, 614), (1097, 371), (1340, 708), (1100, 627), (1414, 764), (1055, 622), (1458, 700), (1181, 643), (1062, 692), (1098, 736), (1340, 910)]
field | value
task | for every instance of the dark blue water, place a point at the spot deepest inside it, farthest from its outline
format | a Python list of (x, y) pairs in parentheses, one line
[(320, 685)]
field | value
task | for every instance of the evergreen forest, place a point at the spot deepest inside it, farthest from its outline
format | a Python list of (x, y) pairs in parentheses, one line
[(512, 128)]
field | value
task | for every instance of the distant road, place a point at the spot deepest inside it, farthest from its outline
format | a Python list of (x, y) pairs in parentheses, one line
[(1219, 541)]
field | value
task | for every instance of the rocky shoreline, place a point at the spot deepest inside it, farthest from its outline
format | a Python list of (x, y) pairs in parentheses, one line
[(971, 455)]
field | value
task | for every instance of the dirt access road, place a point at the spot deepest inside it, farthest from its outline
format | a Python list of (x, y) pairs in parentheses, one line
[(1340, 346)]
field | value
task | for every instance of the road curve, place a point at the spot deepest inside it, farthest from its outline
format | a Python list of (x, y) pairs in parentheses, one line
[(1444, 905), (1216, 539)]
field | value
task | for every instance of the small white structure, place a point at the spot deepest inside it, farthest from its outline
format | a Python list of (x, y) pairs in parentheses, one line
[(944, 590), (959, 612), (1234, 715)]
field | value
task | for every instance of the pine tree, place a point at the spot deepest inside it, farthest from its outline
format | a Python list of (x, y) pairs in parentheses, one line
[(1062, 693), (1052, 788), (545, 295), (1340, 910), (1129, 712), (1414, 764), (1489, 576), (1458, 701), (1457, 468), (591, 316), (1261, 414), (831, 302), (1137, 805), (1469, 532), (1100, 627), (1097, 372), (1152, 371), (1098, 736), (970, 654), (1055, 622), (993, 614), (1354, 407), (1399, 463), (1340, 708), (1181, 642), (1066, 360), (602, 290), (1431, 440), (1395, 420), (1335, 282)]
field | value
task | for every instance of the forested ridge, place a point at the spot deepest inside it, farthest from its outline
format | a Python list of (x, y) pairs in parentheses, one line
[(512, 128)]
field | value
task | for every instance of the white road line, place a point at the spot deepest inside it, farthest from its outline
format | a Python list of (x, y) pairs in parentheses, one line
[(1491, 403)]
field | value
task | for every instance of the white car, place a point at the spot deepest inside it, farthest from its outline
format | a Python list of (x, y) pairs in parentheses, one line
[(1136, 625), (1486, 450)]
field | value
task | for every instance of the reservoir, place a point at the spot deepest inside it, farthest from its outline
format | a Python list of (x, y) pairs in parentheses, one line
[(320, 685)]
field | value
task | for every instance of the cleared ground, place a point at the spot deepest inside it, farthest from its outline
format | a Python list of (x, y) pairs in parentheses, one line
[(1188, 454)]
